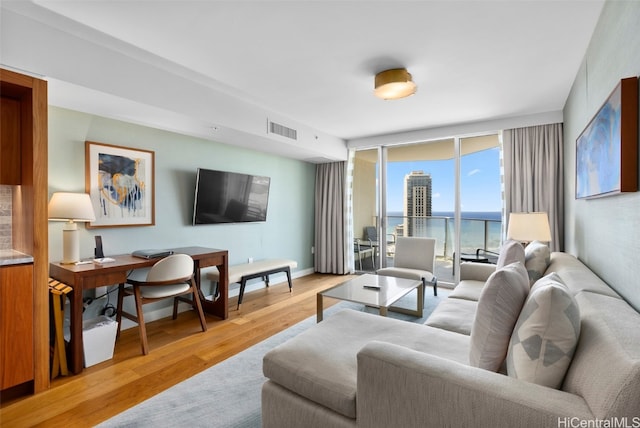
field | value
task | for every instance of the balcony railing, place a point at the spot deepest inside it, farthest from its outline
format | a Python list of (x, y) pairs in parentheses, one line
[(474, 233)]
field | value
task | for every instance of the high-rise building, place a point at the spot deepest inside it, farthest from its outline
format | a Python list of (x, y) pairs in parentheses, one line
[(417, 203)]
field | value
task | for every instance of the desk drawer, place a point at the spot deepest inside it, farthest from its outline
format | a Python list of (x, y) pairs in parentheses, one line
[(214, 260), (103, 279)]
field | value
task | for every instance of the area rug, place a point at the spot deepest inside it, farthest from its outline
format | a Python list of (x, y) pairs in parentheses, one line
[(227, 395)]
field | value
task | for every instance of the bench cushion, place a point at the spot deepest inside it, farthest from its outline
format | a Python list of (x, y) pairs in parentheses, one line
[(236, 272)]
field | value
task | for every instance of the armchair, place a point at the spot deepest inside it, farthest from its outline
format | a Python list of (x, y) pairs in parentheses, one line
[(415, 258)]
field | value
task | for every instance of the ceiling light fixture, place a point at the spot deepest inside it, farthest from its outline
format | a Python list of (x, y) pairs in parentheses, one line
[(394, 84)]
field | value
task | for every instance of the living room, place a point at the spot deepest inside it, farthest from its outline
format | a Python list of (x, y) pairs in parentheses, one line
[(603, 233)]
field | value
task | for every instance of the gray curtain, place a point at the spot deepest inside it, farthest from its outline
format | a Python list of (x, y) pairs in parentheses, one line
[(533, 173), (330, 255)]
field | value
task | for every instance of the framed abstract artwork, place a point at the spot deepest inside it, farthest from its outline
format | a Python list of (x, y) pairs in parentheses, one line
[(120, 182), (607, 149)]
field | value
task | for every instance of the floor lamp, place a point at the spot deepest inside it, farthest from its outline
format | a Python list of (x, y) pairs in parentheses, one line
[(528, 227), (72, 208)]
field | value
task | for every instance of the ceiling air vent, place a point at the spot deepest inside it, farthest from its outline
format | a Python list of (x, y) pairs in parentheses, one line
[(276, 128)]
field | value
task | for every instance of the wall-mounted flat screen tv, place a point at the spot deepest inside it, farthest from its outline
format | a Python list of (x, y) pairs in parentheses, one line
[(230, 197)]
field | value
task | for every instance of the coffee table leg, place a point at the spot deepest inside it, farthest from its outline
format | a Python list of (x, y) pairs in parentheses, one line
[(420, 300), (319, 307), (420, 305)]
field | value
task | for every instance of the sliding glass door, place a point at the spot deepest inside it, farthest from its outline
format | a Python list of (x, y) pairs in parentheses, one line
[(426, 189), (420, 198), (365, 201), (481, 198)]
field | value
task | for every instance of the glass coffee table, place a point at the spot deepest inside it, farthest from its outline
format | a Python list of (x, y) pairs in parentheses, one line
[(376, 291)]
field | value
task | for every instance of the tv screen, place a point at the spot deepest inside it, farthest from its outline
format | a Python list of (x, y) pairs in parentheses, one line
[(229, 197)]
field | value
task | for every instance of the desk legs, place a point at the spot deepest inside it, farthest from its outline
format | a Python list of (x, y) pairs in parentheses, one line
[(76, 354), (75, 343), (220, 306)]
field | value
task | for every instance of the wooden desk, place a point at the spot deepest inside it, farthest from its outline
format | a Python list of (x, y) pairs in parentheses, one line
[(88, 276)]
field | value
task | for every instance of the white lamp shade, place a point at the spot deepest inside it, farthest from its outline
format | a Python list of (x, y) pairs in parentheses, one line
[(71, 207), (528, 227)]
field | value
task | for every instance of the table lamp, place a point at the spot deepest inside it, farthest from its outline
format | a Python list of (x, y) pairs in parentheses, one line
[(72, 208), (528, 227)]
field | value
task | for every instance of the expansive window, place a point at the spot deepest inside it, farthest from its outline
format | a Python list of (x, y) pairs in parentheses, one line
[(427, 189)]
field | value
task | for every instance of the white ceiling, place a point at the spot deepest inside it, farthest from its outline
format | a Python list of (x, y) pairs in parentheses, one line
[(314, 61)]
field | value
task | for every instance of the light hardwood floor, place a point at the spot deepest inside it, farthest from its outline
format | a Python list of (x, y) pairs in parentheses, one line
[(178, 350)]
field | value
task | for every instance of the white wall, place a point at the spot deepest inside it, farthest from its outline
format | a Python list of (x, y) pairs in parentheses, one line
[(117, 80), (604, 233), (287, 233)]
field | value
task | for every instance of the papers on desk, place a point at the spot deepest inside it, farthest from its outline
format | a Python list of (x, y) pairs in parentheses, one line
[(103, 260)]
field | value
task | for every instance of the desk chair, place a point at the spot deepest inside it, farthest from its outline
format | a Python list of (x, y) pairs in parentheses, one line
[(415, 259), (172, 276)]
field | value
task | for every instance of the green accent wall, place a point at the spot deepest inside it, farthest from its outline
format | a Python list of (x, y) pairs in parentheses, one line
[(287, 233), (604, 233)]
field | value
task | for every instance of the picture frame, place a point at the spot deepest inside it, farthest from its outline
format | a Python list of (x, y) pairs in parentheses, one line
[(121, 184), (607, 149)]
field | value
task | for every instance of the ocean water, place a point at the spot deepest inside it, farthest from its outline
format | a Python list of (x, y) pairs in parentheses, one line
[(478, 230)]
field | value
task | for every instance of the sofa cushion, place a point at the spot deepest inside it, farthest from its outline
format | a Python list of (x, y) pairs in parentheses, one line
[(320, 363), (578, 277), (545, 337), (469, 289), (606, 365), (510, 252), (536, 259), (498, 308), (476, 271), (454, 315)]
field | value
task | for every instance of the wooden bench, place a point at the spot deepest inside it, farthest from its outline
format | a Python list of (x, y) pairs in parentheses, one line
[(241, 273)]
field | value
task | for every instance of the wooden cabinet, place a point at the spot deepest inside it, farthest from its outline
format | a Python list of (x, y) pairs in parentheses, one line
[(16, 325), (10, 168), (23, 164)]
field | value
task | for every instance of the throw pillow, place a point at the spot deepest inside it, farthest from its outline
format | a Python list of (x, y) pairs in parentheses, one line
[(546, 334), (510, 252), (537, 257), (499, 305)]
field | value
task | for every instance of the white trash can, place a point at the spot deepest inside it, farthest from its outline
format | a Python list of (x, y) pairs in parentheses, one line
[(99, 339)]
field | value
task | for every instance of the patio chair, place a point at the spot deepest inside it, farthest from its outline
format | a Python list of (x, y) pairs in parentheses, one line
[(371, 234), (361, 250), (481, 256)]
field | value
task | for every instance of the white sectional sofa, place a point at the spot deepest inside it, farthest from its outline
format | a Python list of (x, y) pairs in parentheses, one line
[(357, 369)]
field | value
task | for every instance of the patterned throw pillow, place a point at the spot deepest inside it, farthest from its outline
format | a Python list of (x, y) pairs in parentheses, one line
[(546, 334), (511, 251), (498, 308), (537, 257)]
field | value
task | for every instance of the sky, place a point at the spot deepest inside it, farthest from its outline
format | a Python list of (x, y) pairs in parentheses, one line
[(480, 182)]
